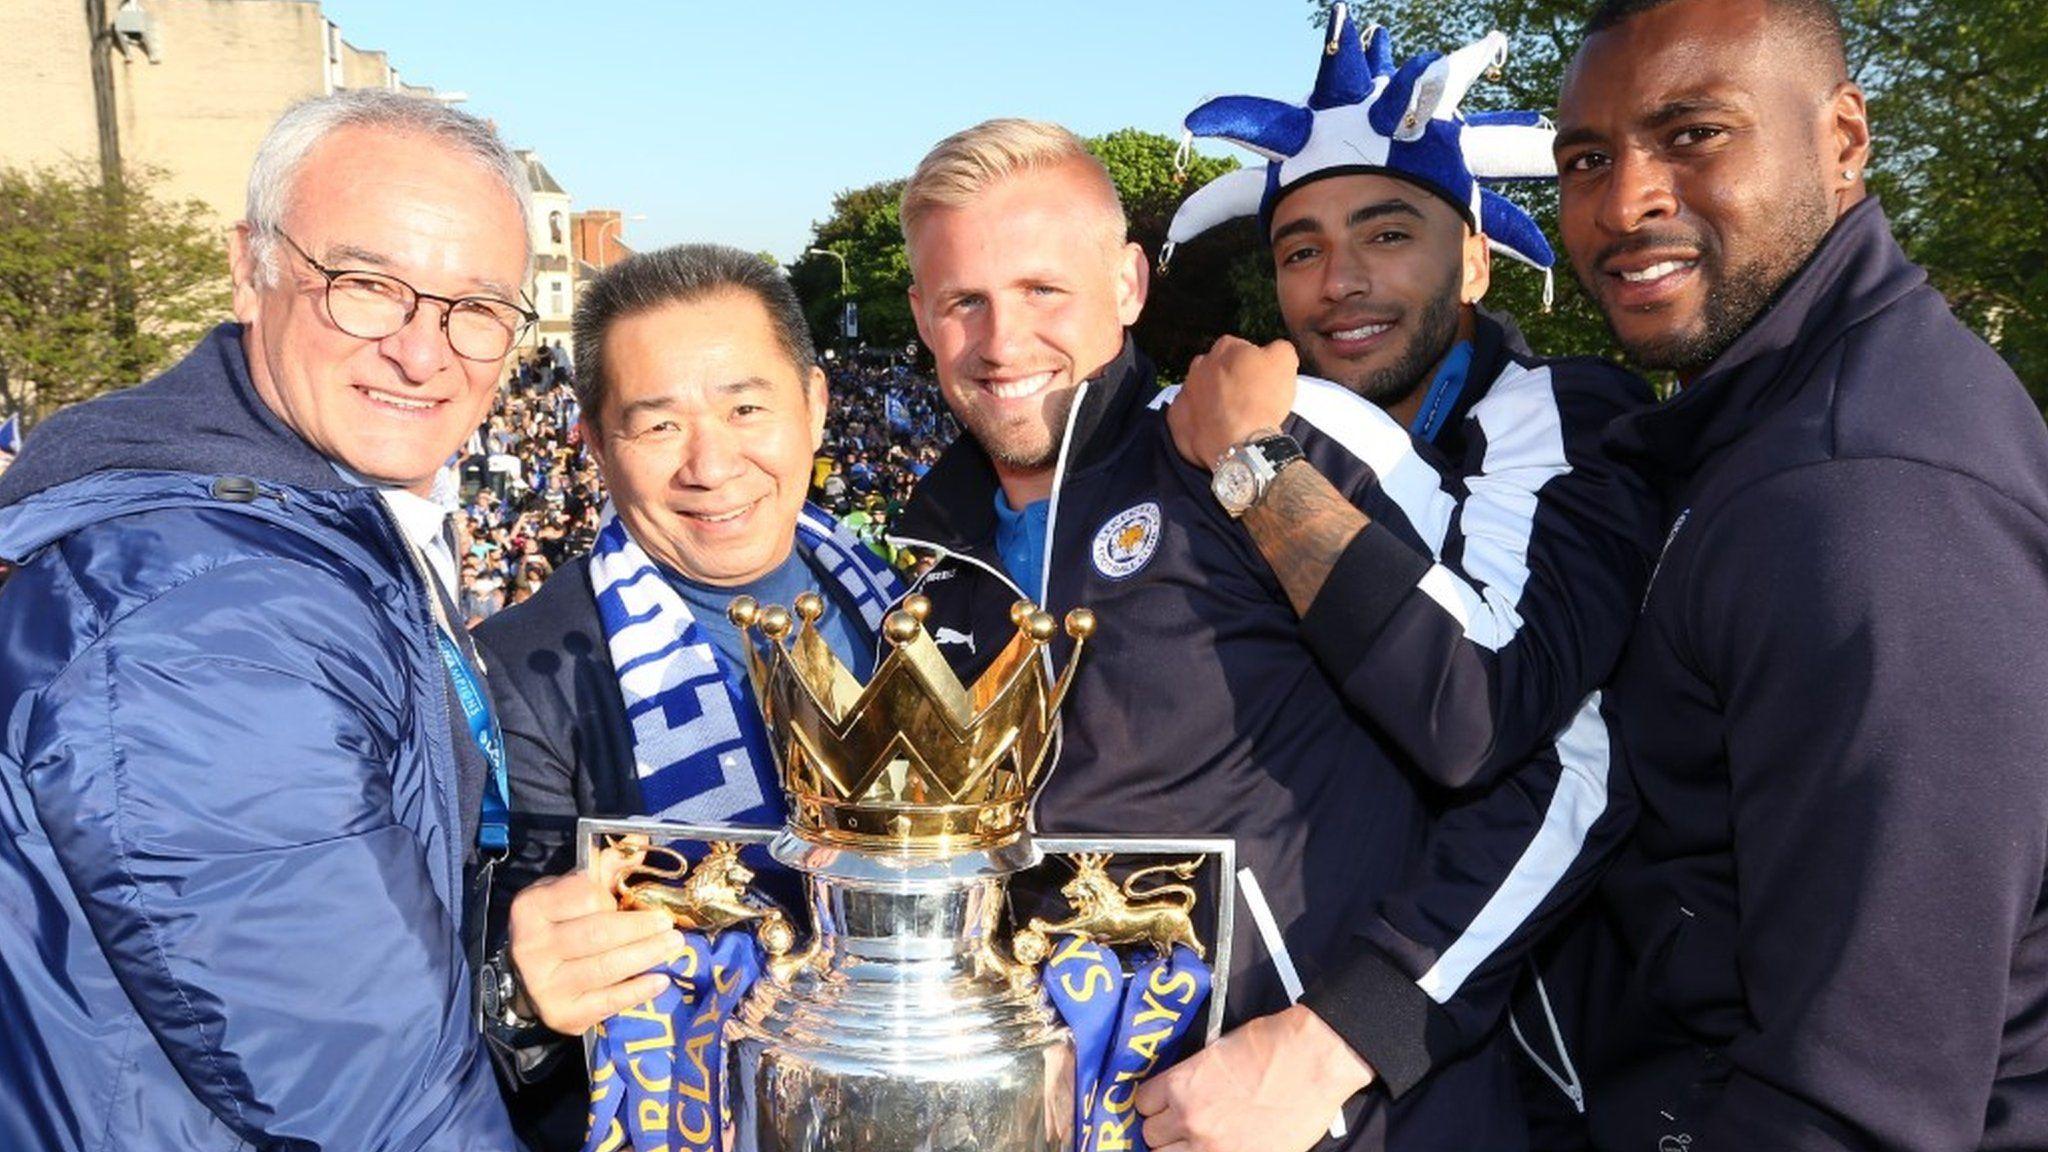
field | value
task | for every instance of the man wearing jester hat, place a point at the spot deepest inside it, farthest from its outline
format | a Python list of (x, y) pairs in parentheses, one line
[(1407, 821), (1486, 647)]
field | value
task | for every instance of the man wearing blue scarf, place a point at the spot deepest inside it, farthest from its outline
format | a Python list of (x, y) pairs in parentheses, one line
[(622, 684)]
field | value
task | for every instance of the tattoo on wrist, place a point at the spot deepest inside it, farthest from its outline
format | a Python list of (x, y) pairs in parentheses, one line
[(1302, 527)]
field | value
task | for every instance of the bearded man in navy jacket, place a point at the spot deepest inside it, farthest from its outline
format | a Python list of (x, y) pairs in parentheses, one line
[(1205, 707), (1466, 659), (1831, 920)]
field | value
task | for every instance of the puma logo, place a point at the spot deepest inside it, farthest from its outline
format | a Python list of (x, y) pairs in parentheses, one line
[(949, 636)]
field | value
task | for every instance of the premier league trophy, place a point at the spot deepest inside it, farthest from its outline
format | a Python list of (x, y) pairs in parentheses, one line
[(907, 1021)]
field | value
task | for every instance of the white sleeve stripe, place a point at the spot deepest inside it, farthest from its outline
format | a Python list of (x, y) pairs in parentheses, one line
[(1486, 618), (1361, 428), (1583, 751), (1524, 451)]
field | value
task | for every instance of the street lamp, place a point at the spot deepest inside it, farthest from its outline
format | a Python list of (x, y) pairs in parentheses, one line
[(835, 256), (845, 297), (618, 222)]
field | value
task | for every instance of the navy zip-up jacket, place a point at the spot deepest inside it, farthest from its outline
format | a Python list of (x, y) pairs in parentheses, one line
[(233, 822), (1833, 707), (1202, 707)]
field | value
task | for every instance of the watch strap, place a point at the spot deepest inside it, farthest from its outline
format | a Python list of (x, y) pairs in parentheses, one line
[(1278, 450)]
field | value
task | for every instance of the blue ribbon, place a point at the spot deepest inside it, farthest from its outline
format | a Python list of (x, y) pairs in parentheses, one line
[(1125, 1028), (493, 831), (654, 1070)]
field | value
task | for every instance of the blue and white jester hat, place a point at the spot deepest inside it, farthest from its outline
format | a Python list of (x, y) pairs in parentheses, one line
[(1367, 116)]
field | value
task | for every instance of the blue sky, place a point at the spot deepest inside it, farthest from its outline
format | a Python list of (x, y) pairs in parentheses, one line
[(737, 122)]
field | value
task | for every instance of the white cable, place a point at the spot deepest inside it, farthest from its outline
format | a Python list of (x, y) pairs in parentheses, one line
[(1283, 961), (1568, 1083)]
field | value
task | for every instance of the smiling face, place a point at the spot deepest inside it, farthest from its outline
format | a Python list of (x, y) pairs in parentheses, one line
[(1021, 294), (370, 199), (707, 435), (1701, 153), (1371, 272)]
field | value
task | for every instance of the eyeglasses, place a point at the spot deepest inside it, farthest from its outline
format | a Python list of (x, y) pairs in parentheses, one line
[(372, 306)]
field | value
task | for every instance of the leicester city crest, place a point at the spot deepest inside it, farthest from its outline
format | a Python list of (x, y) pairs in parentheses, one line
[(1127, 541)]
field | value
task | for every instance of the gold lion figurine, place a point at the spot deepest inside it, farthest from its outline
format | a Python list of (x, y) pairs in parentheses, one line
[(1107, 914), (711, 898)]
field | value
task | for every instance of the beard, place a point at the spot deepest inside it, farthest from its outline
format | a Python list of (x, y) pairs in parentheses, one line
[(1021, 445), (1736, 294), (1434, 330)]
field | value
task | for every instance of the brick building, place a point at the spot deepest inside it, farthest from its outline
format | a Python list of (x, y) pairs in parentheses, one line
[(600, 239), (195, 87), (223, 71)]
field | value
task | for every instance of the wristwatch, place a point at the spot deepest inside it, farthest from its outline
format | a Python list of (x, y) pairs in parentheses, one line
[(1246, 470), (499, 987)]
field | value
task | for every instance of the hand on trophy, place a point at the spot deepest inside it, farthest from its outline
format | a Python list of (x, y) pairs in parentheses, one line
[(1273, 1084), (579, 958), (1233, 390)]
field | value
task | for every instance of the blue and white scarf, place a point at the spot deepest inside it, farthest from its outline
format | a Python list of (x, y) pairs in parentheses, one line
[(699, 748)]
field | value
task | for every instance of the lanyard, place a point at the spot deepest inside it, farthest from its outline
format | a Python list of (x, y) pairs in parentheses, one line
[(493, 833), (1443, 394)]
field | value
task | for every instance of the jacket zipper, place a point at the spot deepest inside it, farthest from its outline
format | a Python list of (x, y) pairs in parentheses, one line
[(451, 799)]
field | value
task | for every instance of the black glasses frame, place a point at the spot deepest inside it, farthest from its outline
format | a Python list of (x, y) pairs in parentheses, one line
[(527, 316)]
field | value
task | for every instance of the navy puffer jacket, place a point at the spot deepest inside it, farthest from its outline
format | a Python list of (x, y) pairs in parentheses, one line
[(231, 818)]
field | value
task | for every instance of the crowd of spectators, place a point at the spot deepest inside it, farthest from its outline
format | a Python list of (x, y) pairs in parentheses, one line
[(886, 428), (527, 492), (529, 496)]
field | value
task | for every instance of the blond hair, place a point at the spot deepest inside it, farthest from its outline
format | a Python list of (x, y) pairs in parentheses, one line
[(967, 163)]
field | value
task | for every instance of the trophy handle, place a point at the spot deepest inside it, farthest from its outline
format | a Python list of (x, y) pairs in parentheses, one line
[(1081, 626)]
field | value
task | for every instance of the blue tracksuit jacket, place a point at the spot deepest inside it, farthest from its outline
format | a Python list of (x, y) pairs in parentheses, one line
[(1832, 923), (1415, 772)]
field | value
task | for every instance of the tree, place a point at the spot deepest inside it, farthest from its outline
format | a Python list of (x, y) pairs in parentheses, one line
[(63, 242), (1209, 288), (864, 230), (1956, 91), (1961, 156)]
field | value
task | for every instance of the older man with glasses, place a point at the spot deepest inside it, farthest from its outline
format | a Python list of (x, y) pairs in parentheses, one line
[(246, 776)]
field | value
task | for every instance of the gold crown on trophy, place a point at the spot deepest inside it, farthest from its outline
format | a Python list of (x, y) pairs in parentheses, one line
[(913, 762)]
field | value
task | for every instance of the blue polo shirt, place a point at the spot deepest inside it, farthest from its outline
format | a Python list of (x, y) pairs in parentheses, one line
[(841, 625), (1020, 541)]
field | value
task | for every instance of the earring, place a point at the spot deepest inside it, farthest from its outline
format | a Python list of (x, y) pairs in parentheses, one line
[(1848, 174)]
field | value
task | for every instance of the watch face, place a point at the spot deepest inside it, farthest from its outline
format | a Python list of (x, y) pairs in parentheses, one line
[(1234, 485)]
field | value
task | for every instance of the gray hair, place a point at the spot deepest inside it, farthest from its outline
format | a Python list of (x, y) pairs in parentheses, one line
[(683, 274), (275, 172)]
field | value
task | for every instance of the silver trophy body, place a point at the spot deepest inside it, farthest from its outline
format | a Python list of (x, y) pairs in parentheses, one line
[(905, 1027)]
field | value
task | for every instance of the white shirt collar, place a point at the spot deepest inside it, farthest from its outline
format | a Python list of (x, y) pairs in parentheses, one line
[(422, 522)]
